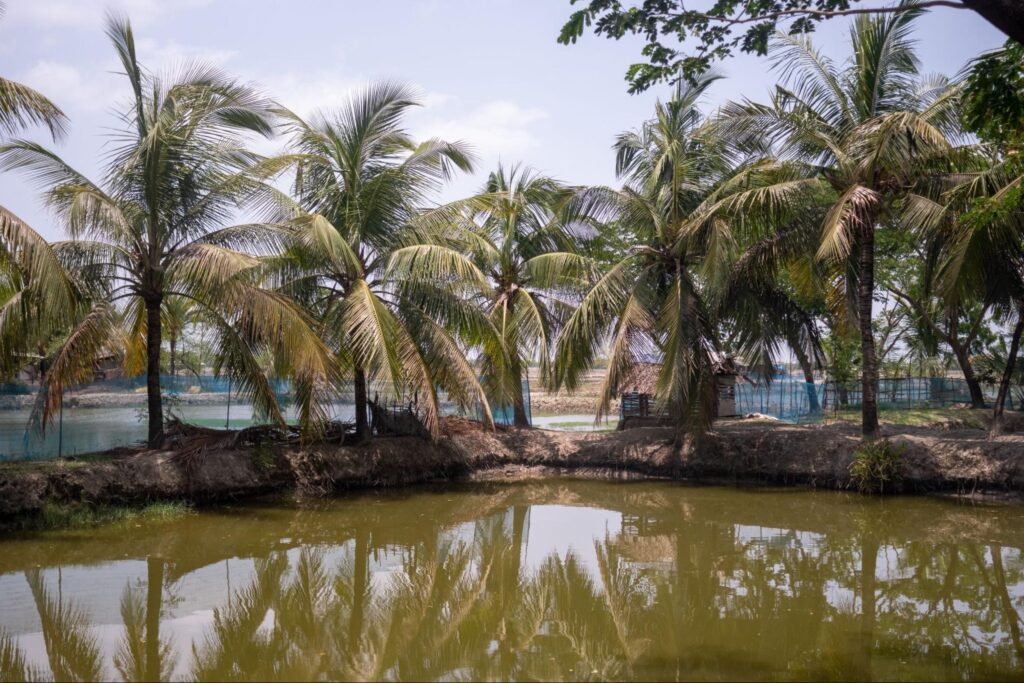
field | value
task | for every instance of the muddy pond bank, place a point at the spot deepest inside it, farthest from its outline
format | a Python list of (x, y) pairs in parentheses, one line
[(961, 461)]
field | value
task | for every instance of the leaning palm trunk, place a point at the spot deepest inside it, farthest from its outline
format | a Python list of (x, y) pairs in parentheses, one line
[(963, 359), (1004, 384), (519, 417), (808, 370)]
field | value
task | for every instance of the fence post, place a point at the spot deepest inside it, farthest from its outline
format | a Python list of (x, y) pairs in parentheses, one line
[(60, 429), (227, 419)]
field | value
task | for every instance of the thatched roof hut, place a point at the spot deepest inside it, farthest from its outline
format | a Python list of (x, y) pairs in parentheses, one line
[(642, 378), (637, 387)]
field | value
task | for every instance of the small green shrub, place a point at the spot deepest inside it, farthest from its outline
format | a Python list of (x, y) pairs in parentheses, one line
[(877, 466), (264, 456)]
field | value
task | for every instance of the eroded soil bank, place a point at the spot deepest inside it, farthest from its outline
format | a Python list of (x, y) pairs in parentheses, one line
[(961, 461)]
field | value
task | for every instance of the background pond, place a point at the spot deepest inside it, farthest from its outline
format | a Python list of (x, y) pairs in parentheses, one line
[(544, 580), (90, 430)]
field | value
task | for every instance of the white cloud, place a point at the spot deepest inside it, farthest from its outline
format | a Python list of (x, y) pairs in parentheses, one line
[(99, 86), (306, 92), (158, 54), (327, 89), (72, 88), (495, 128), (87, 14)]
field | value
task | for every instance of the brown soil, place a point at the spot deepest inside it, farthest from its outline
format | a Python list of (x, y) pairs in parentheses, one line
[(961, 461)]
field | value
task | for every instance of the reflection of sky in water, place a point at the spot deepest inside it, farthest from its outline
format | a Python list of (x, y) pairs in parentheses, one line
[(548, 529), (551, 529), (559, 529)]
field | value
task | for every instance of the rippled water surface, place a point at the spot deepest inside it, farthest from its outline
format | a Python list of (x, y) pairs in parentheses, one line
[(543, 580)]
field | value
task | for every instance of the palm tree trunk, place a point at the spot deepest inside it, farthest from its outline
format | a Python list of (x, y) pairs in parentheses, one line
[(865, 300), (519, 417), (154, 402), (973, 385), (509, 589), (360, 579), (868, 568), (808, 370), (1009, 611), (154, 602), (1004, 383), (362, 402)]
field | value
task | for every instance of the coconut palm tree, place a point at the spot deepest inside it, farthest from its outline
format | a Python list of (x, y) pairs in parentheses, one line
[(154, 228), (388, 302), (522, 231), (686, 200), (865, 131)]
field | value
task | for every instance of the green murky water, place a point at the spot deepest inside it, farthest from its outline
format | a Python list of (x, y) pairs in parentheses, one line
[(544, 580)]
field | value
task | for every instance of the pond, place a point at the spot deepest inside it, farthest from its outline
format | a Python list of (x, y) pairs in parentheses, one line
[(91, 430), (554, 579)]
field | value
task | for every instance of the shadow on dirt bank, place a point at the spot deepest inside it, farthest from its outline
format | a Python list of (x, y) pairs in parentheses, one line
[(741, 451)]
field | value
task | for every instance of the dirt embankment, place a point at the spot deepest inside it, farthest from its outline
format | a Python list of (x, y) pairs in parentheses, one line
[(961, 461)]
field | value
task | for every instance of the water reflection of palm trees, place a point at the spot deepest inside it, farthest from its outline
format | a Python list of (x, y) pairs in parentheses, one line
[(142, 654), (680, 591)]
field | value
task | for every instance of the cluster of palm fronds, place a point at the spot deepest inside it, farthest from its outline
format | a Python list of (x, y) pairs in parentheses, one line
[(746, 232)]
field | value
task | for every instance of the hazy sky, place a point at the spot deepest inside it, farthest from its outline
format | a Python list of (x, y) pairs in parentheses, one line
[(490, 72)]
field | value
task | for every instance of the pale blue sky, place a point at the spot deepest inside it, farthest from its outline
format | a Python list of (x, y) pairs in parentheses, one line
[(490, 71)]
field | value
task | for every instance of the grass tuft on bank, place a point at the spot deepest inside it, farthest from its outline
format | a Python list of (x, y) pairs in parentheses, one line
[(54, 516), (920, 417)]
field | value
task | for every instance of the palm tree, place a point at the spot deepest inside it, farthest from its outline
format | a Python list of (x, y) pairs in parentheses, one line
[(685, 199), (388, 302), (153, 230), (522, 232), (863, 131)]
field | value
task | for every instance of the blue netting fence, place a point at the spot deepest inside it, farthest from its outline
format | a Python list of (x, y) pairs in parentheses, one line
[(504, 413), (110, 413), (794, 400)]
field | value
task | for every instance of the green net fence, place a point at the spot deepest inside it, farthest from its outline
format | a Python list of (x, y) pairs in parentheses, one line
[(110, 413), (794, 400)]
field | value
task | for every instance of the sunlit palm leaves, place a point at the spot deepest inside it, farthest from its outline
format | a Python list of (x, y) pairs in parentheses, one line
[(522, 232), (30, 276), (38, 299), (21, 107), (389, 305)]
